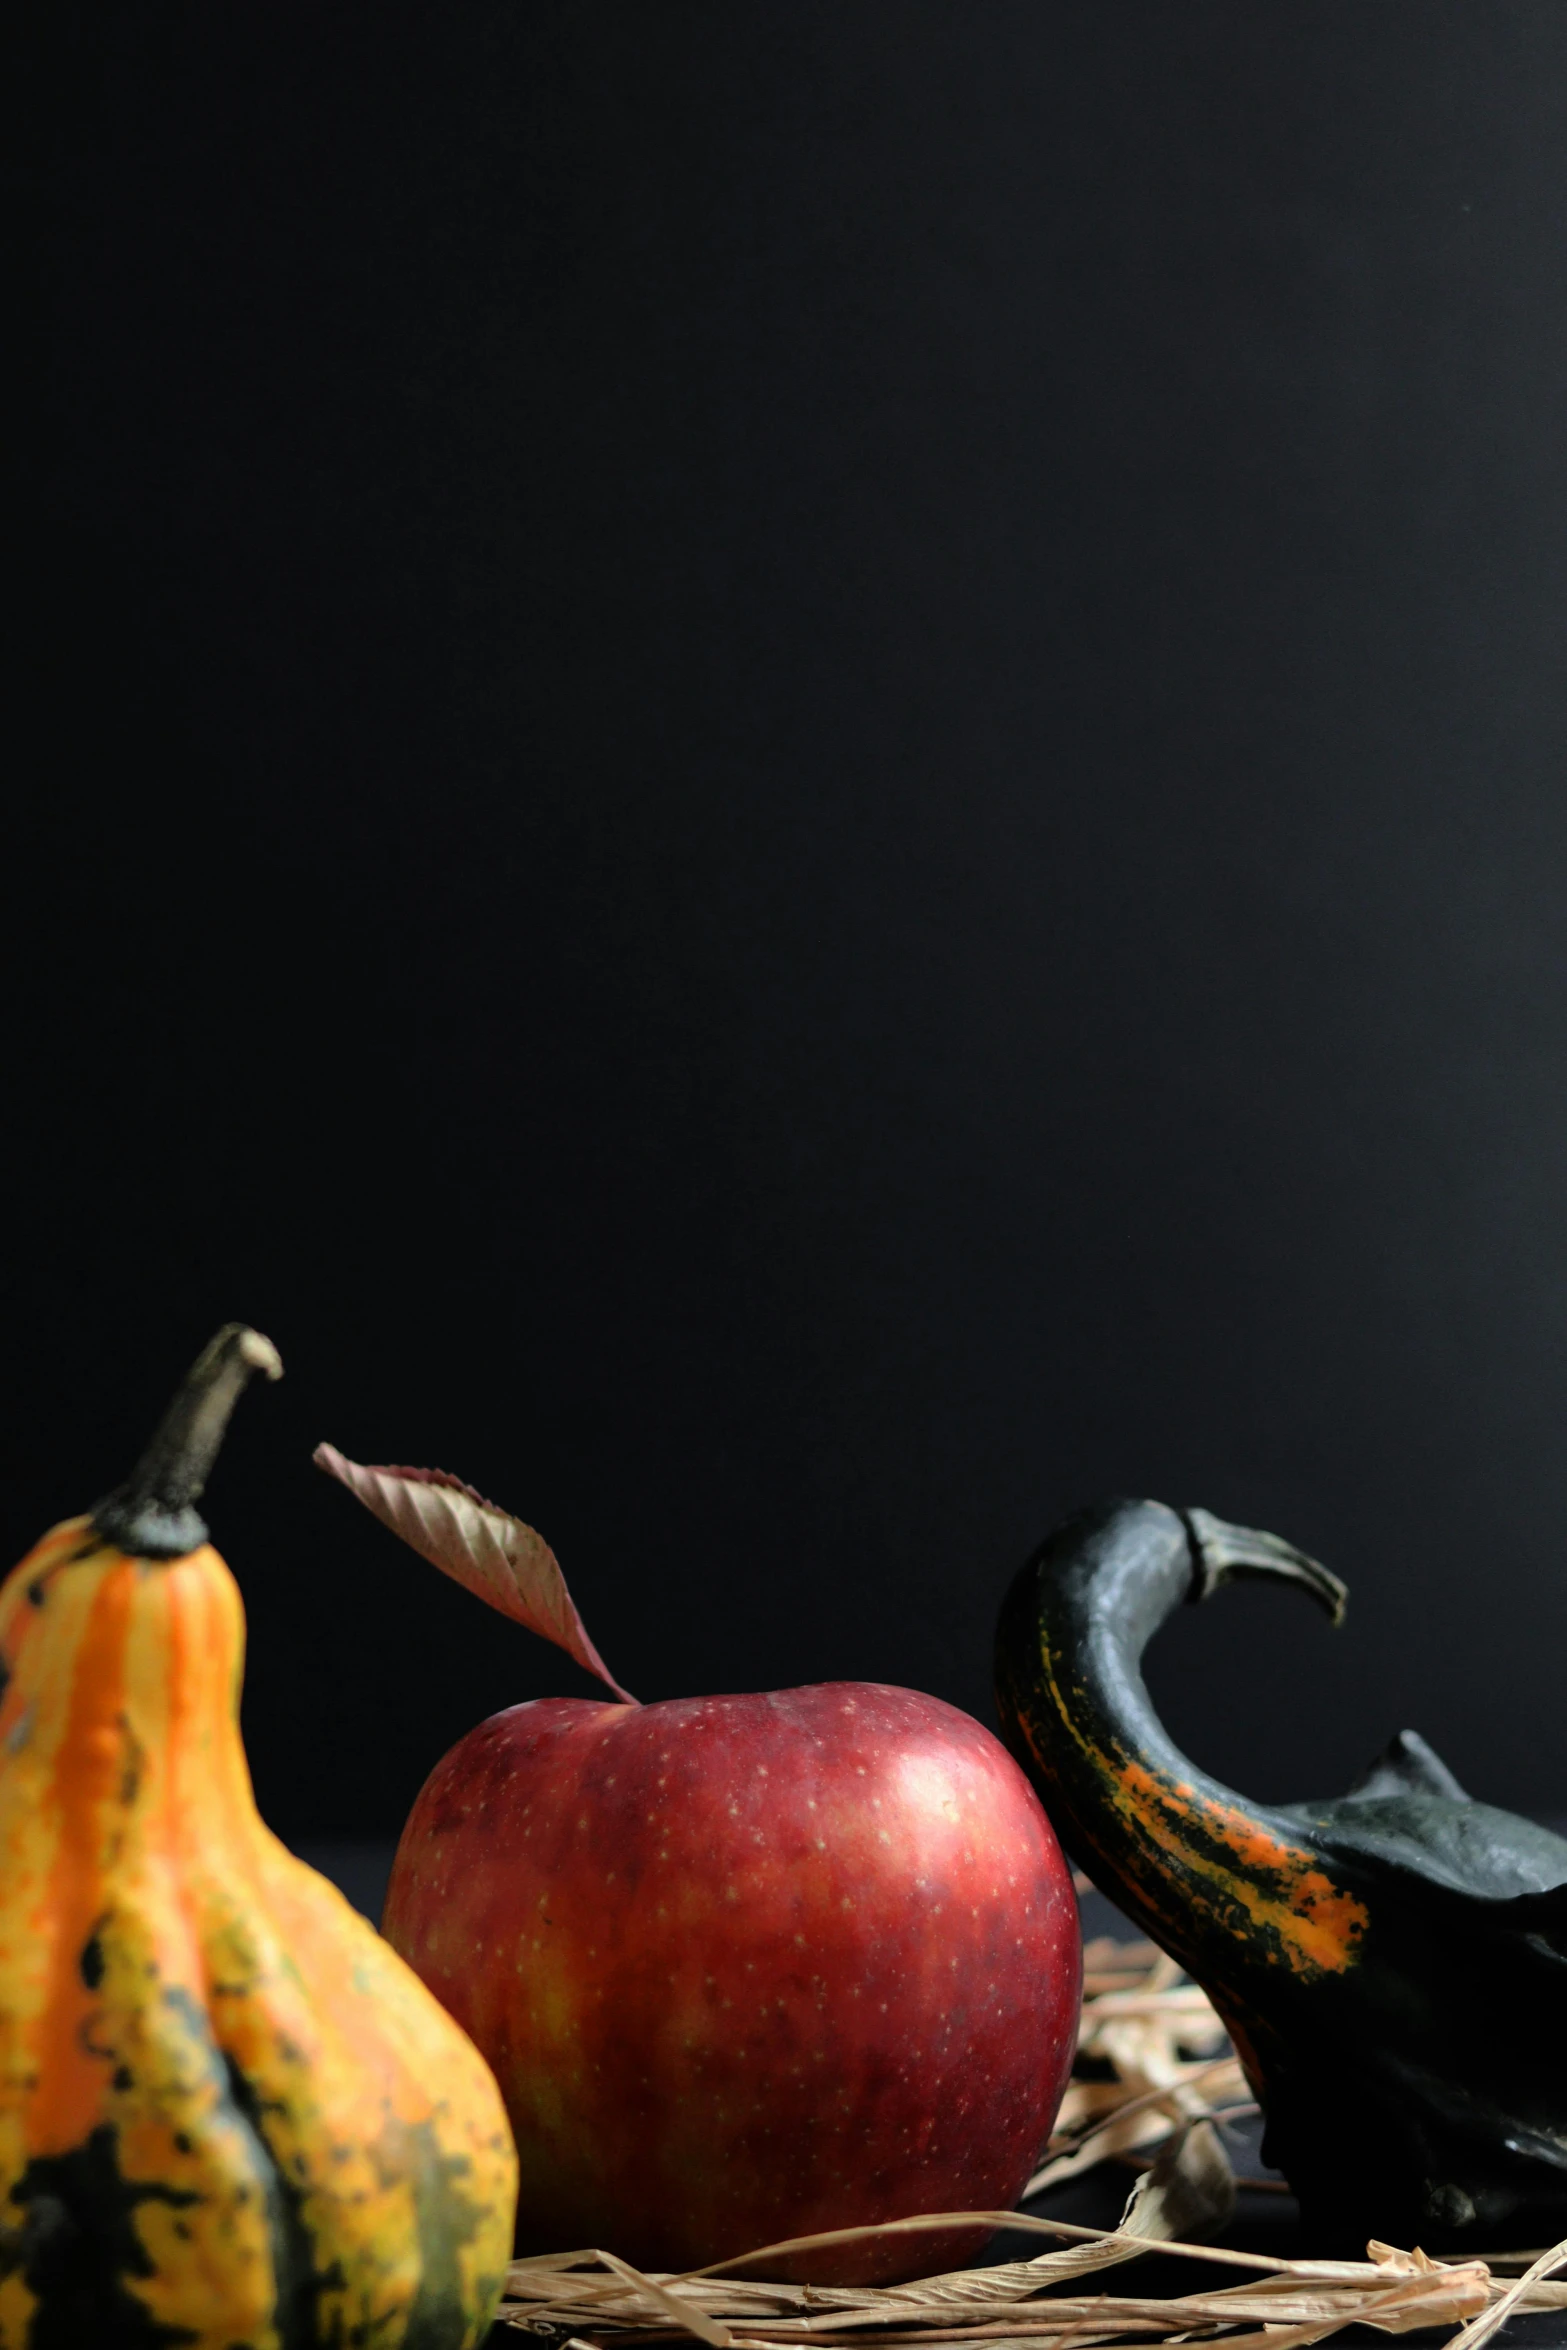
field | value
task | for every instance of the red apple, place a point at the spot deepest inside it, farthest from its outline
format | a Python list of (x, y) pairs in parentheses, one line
[(746, 1968)]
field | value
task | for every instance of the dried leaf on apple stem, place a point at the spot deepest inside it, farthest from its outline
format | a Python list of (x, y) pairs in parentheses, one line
[(489, 1552)]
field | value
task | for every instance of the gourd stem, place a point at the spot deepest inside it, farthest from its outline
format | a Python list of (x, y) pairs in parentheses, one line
[(1221, 1553), (152, 1515)]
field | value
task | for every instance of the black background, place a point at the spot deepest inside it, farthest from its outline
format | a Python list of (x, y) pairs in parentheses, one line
[(797, 775)]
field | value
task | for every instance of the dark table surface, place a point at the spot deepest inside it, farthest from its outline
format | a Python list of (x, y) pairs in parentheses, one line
[(1266, 2218)]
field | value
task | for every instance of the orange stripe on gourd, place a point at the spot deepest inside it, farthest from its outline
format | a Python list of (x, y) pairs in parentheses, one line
[(1312, 1925), (67, 2090)]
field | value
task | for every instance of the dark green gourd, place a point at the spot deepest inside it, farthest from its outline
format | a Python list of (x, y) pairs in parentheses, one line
[(1392, 1964)]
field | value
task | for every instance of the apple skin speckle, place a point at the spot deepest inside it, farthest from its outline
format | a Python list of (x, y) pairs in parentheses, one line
[(812, 1960)]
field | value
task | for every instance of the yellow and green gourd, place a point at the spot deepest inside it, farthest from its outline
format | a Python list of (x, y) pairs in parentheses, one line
[(230, 2117)]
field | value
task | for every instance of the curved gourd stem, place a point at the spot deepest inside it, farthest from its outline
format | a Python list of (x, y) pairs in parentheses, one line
[(1221, 1554), (1184, 1854), (152, 1515)]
